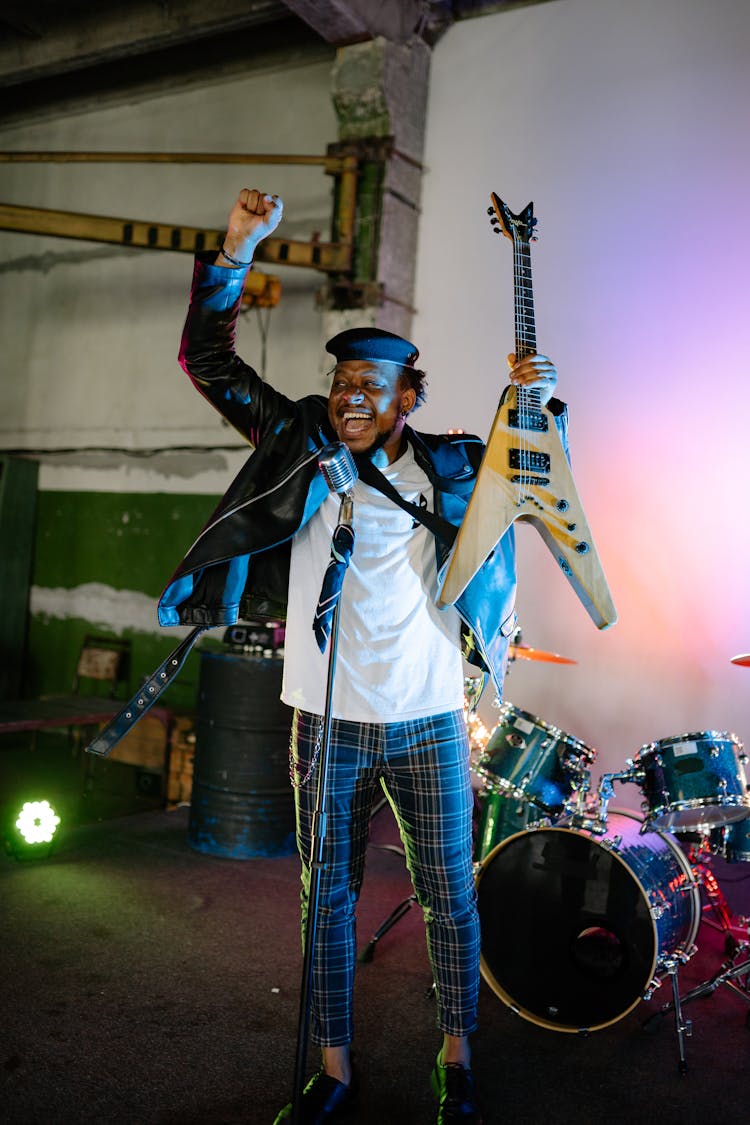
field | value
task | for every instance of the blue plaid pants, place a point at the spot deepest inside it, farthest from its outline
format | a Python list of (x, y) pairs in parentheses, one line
[(423, 767)]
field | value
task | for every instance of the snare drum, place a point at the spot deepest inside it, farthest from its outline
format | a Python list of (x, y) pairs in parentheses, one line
[(575, 927), (533, 761), (694, 781)]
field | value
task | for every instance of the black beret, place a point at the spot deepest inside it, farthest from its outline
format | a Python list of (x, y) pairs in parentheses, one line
[(372, 344)]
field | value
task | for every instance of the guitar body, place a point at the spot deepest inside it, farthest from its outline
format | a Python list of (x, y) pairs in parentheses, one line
[(524, 474)]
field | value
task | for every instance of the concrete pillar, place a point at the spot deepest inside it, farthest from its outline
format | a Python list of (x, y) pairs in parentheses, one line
[(379, 91)]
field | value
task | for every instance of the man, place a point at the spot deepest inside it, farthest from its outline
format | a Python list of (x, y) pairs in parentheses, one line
[(398, 691)]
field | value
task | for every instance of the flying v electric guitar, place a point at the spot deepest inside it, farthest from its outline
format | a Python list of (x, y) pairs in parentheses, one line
[(525, 474)]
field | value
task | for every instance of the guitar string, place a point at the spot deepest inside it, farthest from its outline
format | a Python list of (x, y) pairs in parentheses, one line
[(531, 396), (521, 394)]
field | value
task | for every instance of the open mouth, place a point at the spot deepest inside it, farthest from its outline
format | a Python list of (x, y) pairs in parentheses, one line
[(355, 422)]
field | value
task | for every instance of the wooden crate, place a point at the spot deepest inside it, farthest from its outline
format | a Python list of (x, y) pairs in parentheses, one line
[(182, 753)]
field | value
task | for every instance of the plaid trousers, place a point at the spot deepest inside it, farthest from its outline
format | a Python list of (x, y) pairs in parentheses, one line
[(423, 767)]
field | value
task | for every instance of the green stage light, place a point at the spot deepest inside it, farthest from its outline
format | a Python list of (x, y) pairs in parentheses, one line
[(37, 822)]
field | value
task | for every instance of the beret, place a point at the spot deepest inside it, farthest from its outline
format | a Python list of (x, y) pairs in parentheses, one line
[(372, 344)]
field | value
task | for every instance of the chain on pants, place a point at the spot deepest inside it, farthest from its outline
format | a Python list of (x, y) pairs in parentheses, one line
[(424, 768)]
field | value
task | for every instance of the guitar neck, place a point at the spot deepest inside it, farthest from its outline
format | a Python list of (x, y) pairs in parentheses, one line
[(523, 295)]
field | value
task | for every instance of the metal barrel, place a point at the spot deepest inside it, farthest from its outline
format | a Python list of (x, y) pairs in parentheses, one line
[(242, 803)]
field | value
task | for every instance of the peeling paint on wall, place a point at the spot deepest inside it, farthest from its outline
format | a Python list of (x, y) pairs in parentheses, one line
[(208, 472), (103, 606)]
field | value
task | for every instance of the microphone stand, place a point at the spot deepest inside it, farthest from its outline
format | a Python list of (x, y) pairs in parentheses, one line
[(318, 835)]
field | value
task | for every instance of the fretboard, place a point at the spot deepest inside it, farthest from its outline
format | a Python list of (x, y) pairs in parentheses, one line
[(523, 299)]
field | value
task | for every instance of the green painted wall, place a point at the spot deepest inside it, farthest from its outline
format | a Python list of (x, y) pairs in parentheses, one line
[(128, 541)]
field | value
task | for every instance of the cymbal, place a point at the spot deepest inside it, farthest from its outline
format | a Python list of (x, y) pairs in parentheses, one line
[(743, 660), (526, 652)]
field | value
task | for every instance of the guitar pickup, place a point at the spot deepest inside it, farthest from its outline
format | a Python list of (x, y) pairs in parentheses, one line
[(533, 420), (529, 460)]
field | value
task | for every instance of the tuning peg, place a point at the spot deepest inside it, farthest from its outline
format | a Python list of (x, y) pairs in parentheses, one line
[(490, 210), (494, 221)]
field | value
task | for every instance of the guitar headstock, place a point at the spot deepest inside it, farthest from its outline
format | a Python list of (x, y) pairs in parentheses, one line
[(515, 227)]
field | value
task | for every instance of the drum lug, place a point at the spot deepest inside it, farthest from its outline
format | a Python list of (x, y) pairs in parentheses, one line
[(653, 984)]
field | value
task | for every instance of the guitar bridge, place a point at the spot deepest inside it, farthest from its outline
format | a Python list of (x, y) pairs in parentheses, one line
[(526, 479)]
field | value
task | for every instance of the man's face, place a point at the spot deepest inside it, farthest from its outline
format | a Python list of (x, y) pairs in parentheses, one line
[(365, 404)]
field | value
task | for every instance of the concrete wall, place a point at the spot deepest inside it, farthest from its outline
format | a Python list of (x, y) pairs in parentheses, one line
[(132, 459), (626, 125)]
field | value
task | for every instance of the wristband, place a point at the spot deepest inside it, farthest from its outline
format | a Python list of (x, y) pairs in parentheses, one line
[(234, 261)]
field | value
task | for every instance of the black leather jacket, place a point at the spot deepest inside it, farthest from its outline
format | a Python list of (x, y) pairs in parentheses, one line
[(239, 564)]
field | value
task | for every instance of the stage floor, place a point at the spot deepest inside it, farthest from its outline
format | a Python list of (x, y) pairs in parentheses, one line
[(146, 982)]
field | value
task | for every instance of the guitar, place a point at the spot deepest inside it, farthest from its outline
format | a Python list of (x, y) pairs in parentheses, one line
[(524, 474)]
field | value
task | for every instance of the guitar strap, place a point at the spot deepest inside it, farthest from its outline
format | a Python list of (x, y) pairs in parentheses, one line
[(107, 738), (439, 527)]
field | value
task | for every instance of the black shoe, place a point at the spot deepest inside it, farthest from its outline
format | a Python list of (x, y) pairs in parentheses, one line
[(453, 1086), (323, 1099)]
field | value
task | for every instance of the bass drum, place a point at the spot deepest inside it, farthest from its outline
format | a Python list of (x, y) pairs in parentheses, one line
[(575, 926)]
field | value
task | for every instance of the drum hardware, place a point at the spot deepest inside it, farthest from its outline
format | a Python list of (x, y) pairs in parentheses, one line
[(683, 1027), (577, 813), (606, 793), (395, 916), (699, 857), (728, 974)]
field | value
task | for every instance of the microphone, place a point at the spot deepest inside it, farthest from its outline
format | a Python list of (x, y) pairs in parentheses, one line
[(338, 468)]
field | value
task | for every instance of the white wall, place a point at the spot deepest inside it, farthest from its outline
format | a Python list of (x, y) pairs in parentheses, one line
[(626, 124)]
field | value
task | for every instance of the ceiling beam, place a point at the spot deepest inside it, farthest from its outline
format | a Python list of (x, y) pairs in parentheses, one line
[(351, 21), (76, 39)]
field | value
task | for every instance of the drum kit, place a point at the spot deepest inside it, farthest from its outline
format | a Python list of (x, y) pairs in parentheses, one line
[(584, 910)]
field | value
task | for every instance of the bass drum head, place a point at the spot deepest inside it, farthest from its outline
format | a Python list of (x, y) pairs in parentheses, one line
[(568, 938)]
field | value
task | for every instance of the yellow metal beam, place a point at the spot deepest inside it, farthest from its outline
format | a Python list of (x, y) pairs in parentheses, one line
[(330, 257), (332, 164)]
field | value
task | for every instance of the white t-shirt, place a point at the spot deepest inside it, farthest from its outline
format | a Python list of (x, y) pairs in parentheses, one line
[(398, 655)]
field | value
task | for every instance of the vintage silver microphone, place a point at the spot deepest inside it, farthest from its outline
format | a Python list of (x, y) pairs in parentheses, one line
[(340, 473)]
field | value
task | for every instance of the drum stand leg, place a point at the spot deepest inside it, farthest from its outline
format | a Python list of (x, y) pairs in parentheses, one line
[(726, 975), (395, 916), (683, 1027)]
